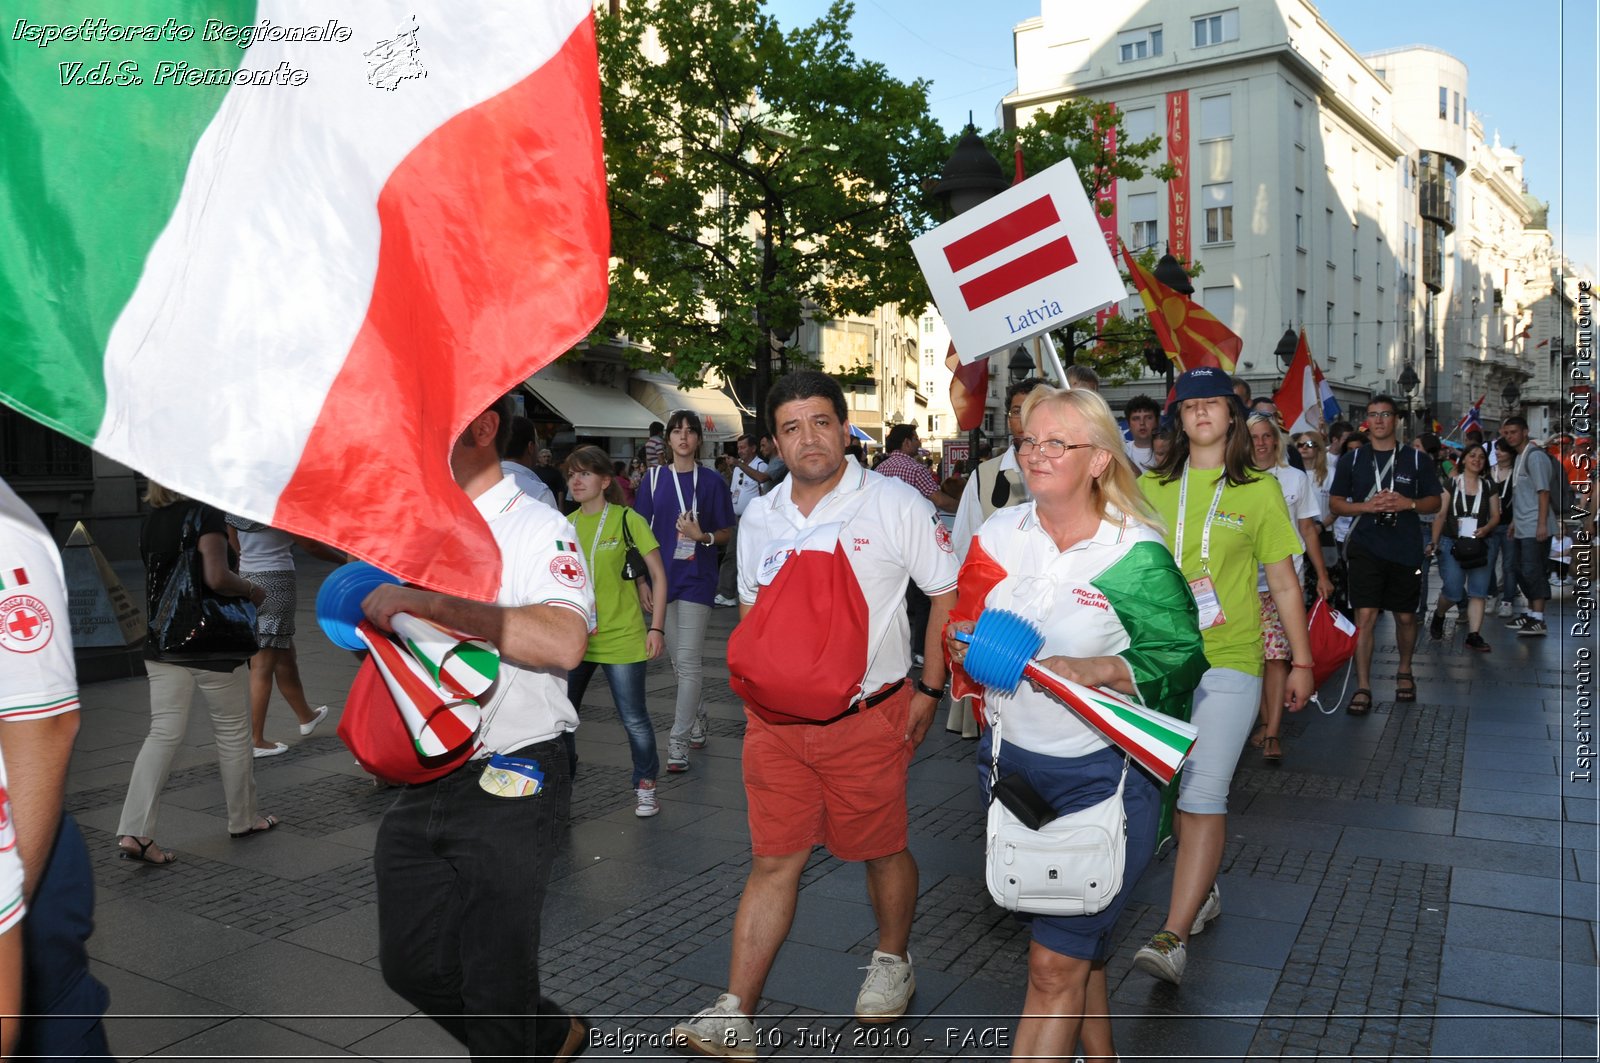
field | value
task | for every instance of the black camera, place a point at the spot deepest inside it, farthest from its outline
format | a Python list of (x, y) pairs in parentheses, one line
[(1387, 520)]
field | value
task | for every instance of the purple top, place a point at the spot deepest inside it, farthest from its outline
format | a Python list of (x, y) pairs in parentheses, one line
[(693, 579)]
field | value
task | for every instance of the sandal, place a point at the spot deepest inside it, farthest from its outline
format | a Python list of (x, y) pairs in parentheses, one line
[(1271, 749), (1258, 735), (1410, 692), (143, 854), (271, 821), (1360, 703)]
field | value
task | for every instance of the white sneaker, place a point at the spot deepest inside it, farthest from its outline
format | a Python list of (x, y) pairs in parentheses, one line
[(648, 805), (697, 732), (720, 1030), (316, 718), (722, 601), (677, 755), (1208, 911), (887, 989), (271, 751), (1505, 608), (1163, 956)]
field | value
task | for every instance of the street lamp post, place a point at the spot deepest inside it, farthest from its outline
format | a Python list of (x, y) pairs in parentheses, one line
[(1408, 384), (1511, 396), (971, 176)]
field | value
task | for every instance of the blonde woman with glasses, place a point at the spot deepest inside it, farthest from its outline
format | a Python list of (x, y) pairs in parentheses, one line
[(1085, 561)]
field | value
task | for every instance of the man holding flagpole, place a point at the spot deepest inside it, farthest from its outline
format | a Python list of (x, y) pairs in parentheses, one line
[(461, 871)]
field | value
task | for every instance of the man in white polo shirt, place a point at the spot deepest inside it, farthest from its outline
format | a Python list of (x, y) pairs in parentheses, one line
[(749, 474), (824, 561)]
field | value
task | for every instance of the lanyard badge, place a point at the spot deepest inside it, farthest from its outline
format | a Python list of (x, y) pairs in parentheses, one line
[(1205, 592)]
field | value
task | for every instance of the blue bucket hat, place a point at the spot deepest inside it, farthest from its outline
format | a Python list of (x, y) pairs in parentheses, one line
[(1206, 382)]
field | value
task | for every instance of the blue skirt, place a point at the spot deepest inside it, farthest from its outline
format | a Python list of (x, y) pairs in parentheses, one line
[(1070, 784)]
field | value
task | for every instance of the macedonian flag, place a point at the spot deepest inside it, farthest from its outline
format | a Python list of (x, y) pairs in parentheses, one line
[(1190, 336)]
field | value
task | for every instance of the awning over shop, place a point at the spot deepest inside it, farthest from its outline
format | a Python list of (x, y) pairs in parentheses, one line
[(593, 410), (662, 393)]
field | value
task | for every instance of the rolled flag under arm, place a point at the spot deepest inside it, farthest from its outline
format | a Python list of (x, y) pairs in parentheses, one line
[(1158, 742), (439, 721), (461, 664)]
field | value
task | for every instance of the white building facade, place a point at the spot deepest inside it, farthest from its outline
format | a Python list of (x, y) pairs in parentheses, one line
[(1351, 196)]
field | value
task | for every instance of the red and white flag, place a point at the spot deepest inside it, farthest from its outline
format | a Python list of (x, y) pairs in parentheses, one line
[(286, 264), (1305, 400)]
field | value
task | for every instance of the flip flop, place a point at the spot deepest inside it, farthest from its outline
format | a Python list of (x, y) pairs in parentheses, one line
[(167, 856), (1360, 703), (272, 821)]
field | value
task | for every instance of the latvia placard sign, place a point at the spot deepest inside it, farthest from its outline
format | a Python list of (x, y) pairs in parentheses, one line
[(1029, 260)]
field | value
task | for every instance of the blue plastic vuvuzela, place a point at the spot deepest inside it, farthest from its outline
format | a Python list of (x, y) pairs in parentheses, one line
[(999, 648), (339, 601)]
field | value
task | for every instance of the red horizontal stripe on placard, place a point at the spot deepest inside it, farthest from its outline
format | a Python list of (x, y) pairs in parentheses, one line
[(1001, 233), (1036, 265)]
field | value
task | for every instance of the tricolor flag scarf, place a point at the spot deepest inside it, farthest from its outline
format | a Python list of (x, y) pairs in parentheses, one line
[(1305, 400), (282, 278)]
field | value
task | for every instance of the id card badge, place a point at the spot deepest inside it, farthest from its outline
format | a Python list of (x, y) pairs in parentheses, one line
[(1466, 527), (1205, 596), (684, 550)]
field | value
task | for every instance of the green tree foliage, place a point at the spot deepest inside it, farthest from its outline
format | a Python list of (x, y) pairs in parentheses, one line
[(754, 173)]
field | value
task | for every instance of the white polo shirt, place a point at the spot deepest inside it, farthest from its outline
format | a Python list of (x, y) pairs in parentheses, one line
[(541, 564), (891, 535), (744, 488), (37, 675), (972, 511), (529, 484)]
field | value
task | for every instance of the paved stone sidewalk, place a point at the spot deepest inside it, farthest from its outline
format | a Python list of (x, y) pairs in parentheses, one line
[(1417, 884)]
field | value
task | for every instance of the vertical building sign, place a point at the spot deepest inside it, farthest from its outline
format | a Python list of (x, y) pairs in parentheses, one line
[(1105, 207), (1178, 187)]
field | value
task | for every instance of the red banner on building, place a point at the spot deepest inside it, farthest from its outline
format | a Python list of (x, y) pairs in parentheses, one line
[(1105, 208), (1178, 187)]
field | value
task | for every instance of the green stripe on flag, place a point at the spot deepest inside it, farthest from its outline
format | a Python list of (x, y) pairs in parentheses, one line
[(423, 659), (484, 662), (1165, 735), (92, 173)]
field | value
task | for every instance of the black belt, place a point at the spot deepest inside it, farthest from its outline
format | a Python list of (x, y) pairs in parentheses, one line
[(870, 700)]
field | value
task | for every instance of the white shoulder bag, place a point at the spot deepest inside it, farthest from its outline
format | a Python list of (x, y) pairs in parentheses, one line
[(1071, 866)]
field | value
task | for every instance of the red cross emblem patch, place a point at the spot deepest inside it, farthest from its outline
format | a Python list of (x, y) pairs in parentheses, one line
[(569, 571), (25, 624)]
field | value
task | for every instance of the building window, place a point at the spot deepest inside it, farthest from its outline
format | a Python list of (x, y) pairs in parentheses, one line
[(1139, 124), (1328, 332), (1219, 303), (1355, 336), (1300, 218), (1142, 212), (927, 324), (1444, 103), (1216, 117), (1327, 231), (1300, 307), (934, 424), (1138, 44), (1299, 123), (1215, 29), (1218, 202), (1455, 108)]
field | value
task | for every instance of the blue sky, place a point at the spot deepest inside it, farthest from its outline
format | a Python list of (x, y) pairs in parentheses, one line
[(1531, 73)]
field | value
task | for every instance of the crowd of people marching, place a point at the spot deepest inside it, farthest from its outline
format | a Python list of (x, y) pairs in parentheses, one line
[(1169, 557)]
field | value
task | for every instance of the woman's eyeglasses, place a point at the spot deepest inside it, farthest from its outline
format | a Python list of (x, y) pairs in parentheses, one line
[(1050, 448), (1306, 444)]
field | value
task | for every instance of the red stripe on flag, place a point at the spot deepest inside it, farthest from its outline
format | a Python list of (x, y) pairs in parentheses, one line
[(425, 698), (1001, 233), (1036, 265), (19, 577), (492, 263)]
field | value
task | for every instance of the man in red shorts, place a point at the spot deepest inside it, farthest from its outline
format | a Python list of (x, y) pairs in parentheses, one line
[(832, 537)]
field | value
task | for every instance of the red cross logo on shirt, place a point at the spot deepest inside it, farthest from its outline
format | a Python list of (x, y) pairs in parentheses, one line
[(25, 624), (566, 569)]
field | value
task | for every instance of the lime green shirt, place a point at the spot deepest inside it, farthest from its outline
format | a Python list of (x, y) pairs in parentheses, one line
[(1252, 527), (619, 638)]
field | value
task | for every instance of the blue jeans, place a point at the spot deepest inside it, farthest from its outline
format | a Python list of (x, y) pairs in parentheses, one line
[(627, 690), (1459, 584), (461, 878), (1501, 581), (1532, 574)]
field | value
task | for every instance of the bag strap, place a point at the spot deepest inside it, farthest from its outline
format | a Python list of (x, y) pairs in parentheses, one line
[(627, 536)]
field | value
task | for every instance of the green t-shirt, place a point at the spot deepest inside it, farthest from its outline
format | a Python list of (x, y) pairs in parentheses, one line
[(619, 639), (1252, 527)]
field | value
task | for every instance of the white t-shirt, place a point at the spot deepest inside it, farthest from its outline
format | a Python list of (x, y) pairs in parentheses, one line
[(970, 512), (891, 535), (744, 488), (541, 564), (530, 484), (1143, 458), (1304, 503), (267, 550)]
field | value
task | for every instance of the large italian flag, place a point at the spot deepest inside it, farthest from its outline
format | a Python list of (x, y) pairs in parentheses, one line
[(288, 299)]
